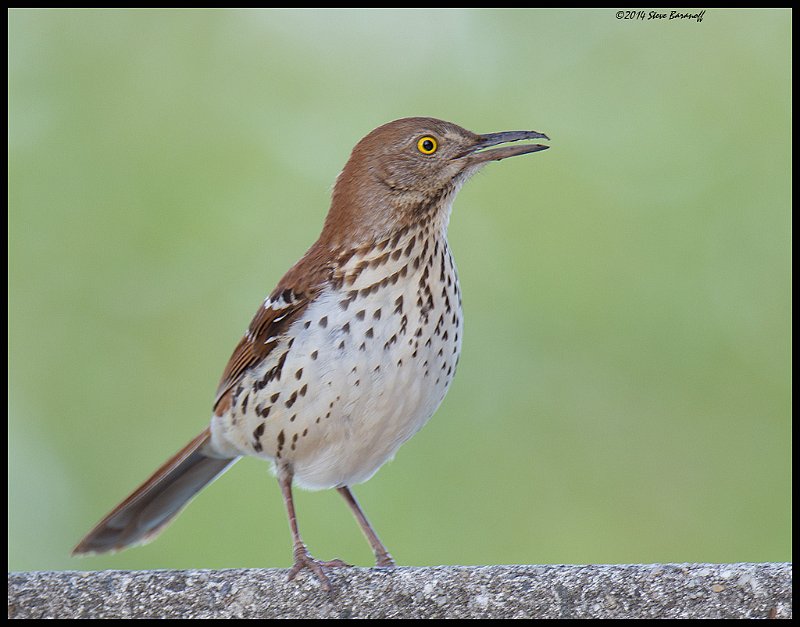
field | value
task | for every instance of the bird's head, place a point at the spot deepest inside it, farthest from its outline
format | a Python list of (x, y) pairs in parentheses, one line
[(409, 170)]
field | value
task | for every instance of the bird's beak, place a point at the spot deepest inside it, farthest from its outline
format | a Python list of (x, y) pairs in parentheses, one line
[(479, 154)]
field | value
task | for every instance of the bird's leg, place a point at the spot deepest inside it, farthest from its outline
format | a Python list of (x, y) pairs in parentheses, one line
[(302, 559), (382, 557)]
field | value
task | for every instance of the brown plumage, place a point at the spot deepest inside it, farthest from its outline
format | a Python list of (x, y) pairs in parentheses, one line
[(353, 350)]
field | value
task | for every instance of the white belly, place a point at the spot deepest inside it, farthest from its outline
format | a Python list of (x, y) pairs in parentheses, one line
[(357, 381)]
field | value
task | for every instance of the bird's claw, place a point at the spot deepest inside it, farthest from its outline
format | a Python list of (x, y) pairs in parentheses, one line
[(384, 561), (303, 560)]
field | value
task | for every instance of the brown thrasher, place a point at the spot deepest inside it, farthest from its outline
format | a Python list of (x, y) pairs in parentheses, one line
[(353, 351)]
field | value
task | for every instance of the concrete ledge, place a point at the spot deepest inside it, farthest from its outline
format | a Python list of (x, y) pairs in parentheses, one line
[(624, 591)]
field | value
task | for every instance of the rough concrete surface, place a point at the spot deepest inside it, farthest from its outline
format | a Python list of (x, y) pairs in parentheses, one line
[(622, 591)]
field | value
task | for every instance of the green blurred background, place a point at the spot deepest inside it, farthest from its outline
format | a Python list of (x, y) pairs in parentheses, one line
[(624, 389)]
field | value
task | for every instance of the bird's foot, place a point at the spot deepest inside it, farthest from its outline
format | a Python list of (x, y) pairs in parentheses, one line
[(384, 560), (302, 560)]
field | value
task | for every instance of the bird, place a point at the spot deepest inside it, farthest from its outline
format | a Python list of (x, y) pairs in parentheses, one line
[(351, 353)]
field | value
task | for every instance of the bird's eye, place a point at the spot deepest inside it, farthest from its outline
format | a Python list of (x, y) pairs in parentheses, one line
[(427, 145)]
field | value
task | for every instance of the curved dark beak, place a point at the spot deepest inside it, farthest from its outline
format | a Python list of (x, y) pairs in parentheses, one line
[(479, 154)]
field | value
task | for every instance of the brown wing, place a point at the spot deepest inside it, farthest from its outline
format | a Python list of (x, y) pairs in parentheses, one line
[(271, 321), (299, 287)]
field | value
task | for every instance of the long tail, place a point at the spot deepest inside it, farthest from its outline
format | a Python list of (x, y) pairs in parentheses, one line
[(153, 505)]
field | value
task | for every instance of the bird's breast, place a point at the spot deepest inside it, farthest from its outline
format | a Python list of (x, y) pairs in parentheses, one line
[(362, 370)]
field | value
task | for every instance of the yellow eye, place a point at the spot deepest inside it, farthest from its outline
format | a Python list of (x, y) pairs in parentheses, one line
[(427, 145)]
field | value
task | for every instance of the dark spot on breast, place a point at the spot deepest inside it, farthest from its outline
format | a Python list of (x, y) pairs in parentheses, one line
[(272, 373), (423, 280), (381, 260), (410, 246), (298, 374), (257, 433), (360, 314), (323, 322), (396, 239), (274, 397)]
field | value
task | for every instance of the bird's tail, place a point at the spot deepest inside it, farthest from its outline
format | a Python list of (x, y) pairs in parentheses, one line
[(153, 505)]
